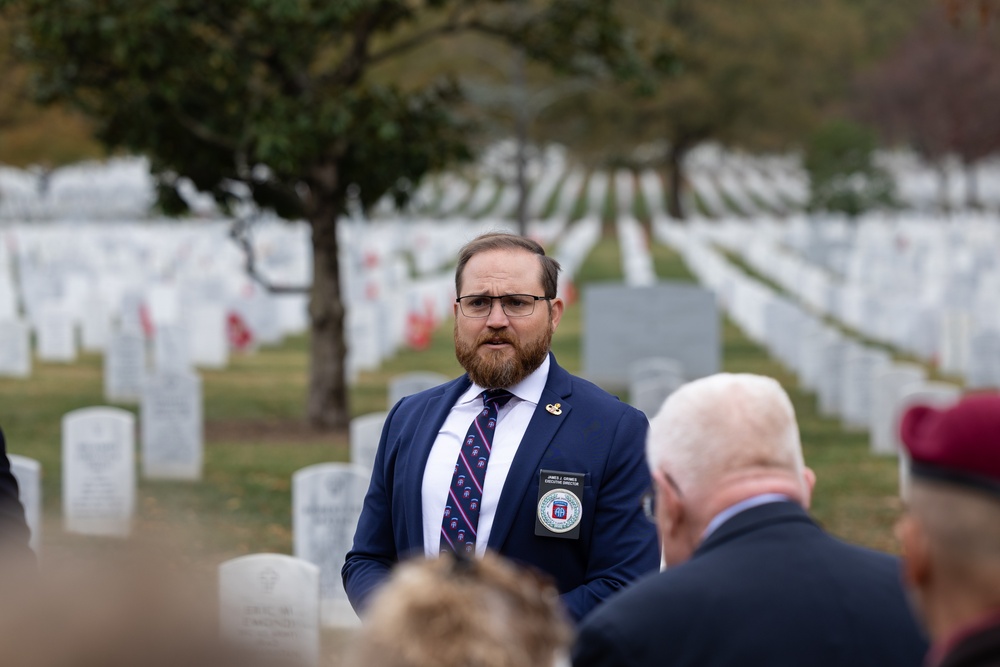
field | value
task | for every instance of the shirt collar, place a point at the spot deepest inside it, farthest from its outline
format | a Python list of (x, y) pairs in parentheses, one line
[(529, 389), (733, 510)]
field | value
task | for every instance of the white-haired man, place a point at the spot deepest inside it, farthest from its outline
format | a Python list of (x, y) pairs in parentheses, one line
[(750, 578)]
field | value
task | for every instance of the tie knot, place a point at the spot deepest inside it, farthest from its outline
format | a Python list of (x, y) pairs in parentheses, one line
[(498, 397)]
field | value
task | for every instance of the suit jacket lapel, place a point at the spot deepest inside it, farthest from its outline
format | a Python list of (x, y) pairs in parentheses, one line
[(414, 457), (521, 478)]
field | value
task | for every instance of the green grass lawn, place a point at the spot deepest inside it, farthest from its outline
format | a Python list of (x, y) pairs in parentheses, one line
[(256, 438)]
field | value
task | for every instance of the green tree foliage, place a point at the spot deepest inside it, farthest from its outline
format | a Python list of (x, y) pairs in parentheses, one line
[(843, 175), (30, 135), (280, 95), (755, 75), (938, 92)]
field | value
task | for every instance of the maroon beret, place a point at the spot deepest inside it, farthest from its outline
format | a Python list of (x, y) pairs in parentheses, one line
[(959, 444)]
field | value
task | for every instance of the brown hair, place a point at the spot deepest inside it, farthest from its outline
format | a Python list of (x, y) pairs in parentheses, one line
[(507, 241), (463, 612)]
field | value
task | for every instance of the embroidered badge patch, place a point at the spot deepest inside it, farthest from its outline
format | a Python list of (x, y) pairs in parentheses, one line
[(560, 510)]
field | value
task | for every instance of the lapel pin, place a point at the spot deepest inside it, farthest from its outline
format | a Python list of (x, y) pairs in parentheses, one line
[(554, 408)]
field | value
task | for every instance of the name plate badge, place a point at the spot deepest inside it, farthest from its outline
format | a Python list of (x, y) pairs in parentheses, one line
[(560, 504)]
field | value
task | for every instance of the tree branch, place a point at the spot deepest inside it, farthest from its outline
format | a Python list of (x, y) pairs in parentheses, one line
[(452, 25), (204, 133)]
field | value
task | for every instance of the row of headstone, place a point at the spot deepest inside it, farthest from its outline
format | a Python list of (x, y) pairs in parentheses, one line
[(98, 453), (859, 384), (893, 285), (636, 259)]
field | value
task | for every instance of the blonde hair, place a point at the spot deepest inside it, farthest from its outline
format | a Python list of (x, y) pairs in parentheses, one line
[(722, 424), (461, 612)]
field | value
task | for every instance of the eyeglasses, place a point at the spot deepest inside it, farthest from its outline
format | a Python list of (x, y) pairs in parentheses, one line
[(648, 502), (648, 499), (514, 305)]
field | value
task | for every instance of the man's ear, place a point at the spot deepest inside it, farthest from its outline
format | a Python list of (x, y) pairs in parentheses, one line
[(670, 512), (557, 312), (808, 484), (915, 551)]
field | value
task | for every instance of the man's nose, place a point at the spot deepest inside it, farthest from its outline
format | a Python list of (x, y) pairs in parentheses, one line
[(497, 319)]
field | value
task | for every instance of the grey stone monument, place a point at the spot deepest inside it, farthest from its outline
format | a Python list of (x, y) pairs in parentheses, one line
[(624, 324)]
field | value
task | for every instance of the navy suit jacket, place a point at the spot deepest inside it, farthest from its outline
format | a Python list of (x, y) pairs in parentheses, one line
[(769, 587), (596, 434)]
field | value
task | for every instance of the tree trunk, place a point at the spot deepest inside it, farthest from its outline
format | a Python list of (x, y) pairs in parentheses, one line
[(971, 186), (327, 405), (675, 163), (944, 196), (521, 122)]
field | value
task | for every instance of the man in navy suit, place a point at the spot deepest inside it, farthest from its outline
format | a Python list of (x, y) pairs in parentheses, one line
[(565, 472), (750, 579)]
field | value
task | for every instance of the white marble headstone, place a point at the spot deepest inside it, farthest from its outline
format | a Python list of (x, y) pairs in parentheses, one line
[(326, 505), (207, 341), (172, 426), (124, 367), (269, 603), (857, 378), (829, 381), (887, 387), (28, 473), (365, 433), (56, 334), (15, 348), (984, 360), (171, 348), (408, 384), (98, 458), (95, 323)]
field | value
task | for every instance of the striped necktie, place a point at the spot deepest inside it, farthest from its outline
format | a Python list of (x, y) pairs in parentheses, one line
[(461, 512)]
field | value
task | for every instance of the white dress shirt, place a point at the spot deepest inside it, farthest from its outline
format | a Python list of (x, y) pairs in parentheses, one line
[(512, 422)]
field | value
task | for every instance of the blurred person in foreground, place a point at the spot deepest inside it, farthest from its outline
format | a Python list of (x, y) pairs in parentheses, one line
[(548, 473), (457, 611), (15, 535), (950, 532), (750, 578)]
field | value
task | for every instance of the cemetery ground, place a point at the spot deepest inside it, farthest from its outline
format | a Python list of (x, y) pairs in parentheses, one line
[(256, 438)]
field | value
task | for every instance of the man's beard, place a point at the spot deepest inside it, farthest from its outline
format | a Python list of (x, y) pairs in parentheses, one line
[(494, 369)]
